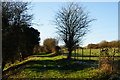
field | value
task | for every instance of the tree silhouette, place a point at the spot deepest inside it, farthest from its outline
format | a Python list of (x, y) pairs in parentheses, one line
[(18, 38), (72, 24)]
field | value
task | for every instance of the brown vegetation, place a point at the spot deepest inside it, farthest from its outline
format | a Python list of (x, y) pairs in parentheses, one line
[(50, 45), (105, 44)]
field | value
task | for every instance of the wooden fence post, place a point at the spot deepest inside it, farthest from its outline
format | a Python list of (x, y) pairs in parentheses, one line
[(82, 54), (77, 54), (90, 54), (113, 60), (99, 59), (74, 54)]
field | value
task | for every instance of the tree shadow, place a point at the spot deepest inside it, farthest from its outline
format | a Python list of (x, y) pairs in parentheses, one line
[(39, 54), (47, 55), (59, 64), (62, 64)]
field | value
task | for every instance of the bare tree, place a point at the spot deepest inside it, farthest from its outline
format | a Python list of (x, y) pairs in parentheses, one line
[(72, 24)]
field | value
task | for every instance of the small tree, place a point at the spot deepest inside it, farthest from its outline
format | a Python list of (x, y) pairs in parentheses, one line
[(50, 45), (72, 24)]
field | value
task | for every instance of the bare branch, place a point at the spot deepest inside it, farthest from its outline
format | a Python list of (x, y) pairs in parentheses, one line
[(72, 24)]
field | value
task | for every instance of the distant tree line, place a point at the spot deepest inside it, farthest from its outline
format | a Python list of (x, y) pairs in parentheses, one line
[(18, 38), (50, 45), (105, 44)]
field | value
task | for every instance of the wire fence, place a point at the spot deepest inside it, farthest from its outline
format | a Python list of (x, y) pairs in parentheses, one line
[(105, 58)]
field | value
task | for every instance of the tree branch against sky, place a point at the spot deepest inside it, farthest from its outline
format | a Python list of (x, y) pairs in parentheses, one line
[(72, 25)]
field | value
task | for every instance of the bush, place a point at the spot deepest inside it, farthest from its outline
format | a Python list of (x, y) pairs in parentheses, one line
[(106, 60), (50, 45)]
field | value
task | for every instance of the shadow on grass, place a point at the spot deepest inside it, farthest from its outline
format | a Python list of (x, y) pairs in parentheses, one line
[(55, 64), (46, 55), (62, 64), (43, 65), (64, 54), (31, 61)]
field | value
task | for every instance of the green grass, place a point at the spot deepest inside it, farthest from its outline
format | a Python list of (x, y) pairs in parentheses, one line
[(44, 66), (95, 53), (56, 66)]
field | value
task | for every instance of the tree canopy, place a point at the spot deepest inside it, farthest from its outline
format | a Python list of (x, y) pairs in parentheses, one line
[(18, 38)]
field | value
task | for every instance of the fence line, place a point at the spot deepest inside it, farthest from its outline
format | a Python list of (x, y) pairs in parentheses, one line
[(90, 54)]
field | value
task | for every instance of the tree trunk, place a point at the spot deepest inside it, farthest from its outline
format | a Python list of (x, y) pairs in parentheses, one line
[(69, 54), (12, 60), (3, 65)]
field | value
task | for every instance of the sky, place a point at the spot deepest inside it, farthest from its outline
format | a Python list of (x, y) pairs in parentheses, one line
[(105, 27)]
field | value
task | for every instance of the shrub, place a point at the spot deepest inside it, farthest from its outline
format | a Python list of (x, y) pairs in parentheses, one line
[(106, 60), (50, 45)]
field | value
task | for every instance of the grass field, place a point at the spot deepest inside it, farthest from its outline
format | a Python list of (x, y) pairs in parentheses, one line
[(46, 66), (88, 54)]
